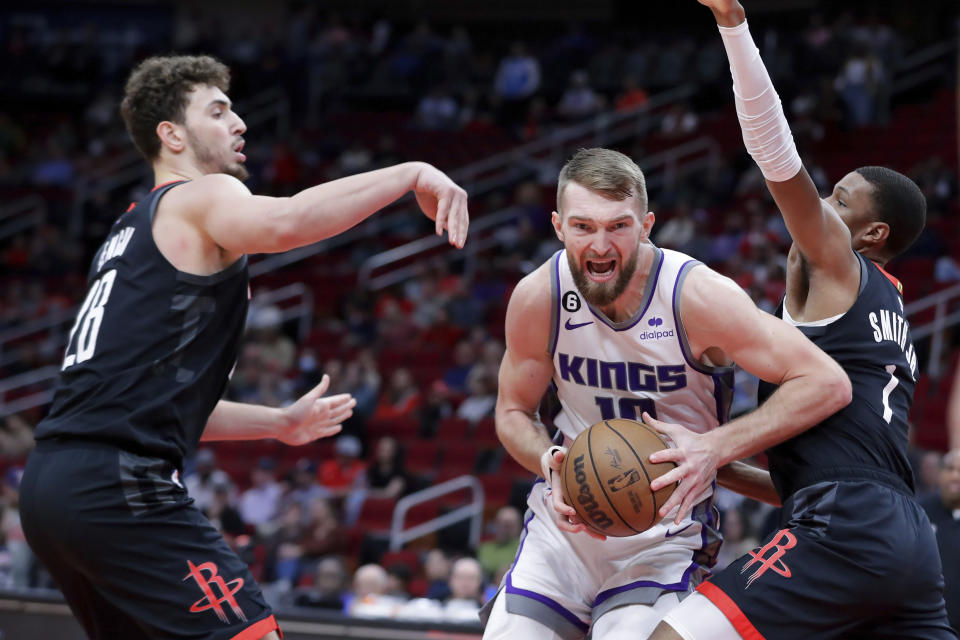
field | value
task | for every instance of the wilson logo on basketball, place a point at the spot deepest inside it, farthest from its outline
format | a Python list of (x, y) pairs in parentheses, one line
[(586, 499), (770, 556), (211, 600)]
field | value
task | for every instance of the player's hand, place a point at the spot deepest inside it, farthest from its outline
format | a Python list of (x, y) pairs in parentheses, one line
[(313, 416), (696, 467), (564, 515), (444, 202)]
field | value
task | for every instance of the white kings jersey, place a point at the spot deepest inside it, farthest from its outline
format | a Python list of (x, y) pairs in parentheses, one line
[(605, 369)]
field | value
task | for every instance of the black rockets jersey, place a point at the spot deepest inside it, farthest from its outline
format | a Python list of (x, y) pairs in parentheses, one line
[(872, 343), (151, 350)]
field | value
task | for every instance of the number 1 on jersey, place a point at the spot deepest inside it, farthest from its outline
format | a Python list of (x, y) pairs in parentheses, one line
[(887, 390), (88, 321)]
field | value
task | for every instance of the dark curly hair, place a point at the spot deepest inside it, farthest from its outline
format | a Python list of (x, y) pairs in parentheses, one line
[(157, 90), (899, 202)]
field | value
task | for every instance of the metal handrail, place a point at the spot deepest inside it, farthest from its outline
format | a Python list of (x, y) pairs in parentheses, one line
[(21, 215), (303, 310), (474, 510), (941, 321)]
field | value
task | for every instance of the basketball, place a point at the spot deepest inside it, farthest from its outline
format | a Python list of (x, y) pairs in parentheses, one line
[(606, 477)]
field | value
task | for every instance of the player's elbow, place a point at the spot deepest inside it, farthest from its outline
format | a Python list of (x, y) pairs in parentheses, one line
[(838, 392)]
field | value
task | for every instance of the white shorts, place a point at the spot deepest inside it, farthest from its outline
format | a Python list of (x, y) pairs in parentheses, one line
[(566, 580)]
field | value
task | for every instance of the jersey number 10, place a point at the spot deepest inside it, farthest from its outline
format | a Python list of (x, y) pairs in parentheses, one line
[(88, 321)]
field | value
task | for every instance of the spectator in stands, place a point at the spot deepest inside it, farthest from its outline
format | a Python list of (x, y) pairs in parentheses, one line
[(401, 399), (500, 550), (386, 476), (631, 95), (679, 228), (281, 542), (944, 512), (258, 504), (277, 351), (436, 570), (466, 592), (221, 512), (517, 80), (345, 476), (859, 84), (435, 408), (455, 377), (738, 537), (304, 486), (201, 484), (324, 534), (480, 400), (437, 110), (19, 558), (16, 438), (329, 589), (579, 101), (369, 598), (398, 581)]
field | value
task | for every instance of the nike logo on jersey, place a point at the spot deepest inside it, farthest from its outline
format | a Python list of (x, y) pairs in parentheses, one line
[(571, 327), (670, 534)]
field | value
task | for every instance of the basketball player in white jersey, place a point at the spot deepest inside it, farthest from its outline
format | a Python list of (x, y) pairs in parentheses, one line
[(621, 328)]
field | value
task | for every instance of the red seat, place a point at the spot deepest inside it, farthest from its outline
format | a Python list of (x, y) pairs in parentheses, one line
[(421, 455), (376, 513), (406, 557)]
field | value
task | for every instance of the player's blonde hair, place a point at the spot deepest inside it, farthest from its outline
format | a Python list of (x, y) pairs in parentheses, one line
[(607, 172)]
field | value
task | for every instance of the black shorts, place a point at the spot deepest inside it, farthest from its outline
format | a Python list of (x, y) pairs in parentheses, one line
[(853, 559), (132, 554)]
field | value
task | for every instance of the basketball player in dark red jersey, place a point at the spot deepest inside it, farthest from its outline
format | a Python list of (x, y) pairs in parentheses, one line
[(149, 357), (855, 555)]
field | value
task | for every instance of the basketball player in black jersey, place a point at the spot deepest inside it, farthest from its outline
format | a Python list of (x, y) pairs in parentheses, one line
[(148, 360), (855, 555)]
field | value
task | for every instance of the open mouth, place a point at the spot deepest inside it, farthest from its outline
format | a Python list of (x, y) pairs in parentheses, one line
[(238, 149), (601, 270)]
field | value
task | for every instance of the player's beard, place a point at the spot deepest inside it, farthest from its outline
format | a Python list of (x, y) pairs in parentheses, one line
[(602, 294), (210, 162)]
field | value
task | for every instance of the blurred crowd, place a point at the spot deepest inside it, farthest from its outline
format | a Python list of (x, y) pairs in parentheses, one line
[(424, 352)]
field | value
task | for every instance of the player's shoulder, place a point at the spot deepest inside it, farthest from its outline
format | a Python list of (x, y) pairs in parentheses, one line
[(705, 290), (201, 193), (530, 303)]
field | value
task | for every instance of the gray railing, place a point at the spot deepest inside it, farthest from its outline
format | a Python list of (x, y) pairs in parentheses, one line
[(943, 319), (22, 214), (473, 511)]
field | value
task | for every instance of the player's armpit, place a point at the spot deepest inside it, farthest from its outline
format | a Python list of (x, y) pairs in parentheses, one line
[(717, 313), (748, 481)]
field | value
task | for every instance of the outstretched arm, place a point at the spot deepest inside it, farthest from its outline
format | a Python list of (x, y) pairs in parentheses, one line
[(816, 228), (311, 417), (812, 386), (225, 211), (747, 480)]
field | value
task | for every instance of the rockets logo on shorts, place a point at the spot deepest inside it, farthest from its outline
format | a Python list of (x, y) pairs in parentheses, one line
[(213, 601), (776, 548)]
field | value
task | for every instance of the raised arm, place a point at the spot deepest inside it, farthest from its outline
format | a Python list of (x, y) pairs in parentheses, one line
[(816, 228), (223, 209), (812, 386)]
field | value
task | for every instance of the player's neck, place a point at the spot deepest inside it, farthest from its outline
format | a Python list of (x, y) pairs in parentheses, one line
[(170, 170)]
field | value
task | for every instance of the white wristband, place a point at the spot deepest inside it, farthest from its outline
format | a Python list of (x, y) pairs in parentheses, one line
[(766, 133)]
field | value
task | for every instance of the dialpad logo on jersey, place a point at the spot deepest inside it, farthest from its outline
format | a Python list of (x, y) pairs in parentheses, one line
[(586, 499), (770, 556), (655, 333), (211, 600), (625, 376)]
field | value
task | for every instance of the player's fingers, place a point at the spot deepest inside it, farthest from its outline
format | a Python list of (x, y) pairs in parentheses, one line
[(561, 507), (675, 499), (667, 455), (671, 477), (321, 388), (326, 432), (464, 221), (443, 214)]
